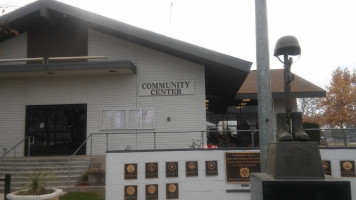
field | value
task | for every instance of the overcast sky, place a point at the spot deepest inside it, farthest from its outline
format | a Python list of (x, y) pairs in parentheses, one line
[(326, 29)]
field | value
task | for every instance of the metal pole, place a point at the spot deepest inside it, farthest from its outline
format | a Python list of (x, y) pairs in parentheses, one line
[(107, 141), (28, 147), (154, 140), (265, 112), (252, 138), (7, 187), (15, 158), (91, 144)]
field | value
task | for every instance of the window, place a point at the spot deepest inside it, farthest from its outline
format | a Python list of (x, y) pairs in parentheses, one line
[(127, 119)]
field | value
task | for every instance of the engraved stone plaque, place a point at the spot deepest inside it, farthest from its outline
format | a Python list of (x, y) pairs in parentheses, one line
[(239, 166), (151, 170), (326, 166), (152, 192), (347, 168), (211, 168), (131, 192), (191, 168), (294, 160), (171, 169), (172, 191), (130, 171)]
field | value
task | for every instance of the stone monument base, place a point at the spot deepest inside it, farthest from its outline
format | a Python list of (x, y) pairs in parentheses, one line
[(265, 187)]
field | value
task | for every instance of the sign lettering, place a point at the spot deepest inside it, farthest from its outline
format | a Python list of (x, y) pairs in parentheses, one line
[(166, 88)]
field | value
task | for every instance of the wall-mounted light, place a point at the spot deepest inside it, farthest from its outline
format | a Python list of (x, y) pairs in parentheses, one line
[(168, 119)]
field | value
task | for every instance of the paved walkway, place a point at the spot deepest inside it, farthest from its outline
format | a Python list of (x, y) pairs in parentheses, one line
[(1, 196)]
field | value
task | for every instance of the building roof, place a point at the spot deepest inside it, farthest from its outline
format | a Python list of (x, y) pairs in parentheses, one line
[(300, 87), (224, 74)]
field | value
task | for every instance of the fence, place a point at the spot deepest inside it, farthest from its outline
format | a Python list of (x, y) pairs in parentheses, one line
[(337, 137), (99, 143)]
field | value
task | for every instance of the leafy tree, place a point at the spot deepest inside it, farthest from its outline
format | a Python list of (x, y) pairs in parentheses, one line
[(6, 31), (340, 102), (311, 110)]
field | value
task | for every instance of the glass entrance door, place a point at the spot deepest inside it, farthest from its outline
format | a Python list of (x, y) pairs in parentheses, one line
[(57, 129)]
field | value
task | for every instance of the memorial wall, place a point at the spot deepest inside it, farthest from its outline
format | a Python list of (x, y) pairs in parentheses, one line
[(191, 174), (200, 174)]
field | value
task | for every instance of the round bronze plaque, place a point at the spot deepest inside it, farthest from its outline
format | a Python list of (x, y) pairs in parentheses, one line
[(325, 165), (172, 166), (131, 168), (151, 167), (151, 189), (347, 165), (172, 188), (211, 165), (245, 172), (130, 190), (192, 165)]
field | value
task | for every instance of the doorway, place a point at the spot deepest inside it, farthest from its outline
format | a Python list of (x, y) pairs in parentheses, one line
[(56, 129)]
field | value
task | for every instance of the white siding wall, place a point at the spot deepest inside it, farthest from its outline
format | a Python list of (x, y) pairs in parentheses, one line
[(109, 92), (12, 115), (12, 97), (186, 112), (56, 90), (15, 47)]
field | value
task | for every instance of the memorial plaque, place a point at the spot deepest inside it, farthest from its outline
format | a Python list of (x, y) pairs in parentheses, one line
[(347, 168), (152, 192), (131, 192), (326, 166), (171, 169), (191, 168), (211, 168), (172, 191), (151, 170), (239, 166), (130, 171)]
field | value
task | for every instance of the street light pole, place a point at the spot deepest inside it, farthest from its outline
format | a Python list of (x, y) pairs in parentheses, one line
[(265, 112)]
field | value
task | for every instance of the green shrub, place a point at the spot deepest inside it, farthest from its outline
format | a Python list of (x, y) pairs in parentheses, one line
[(36, 184)]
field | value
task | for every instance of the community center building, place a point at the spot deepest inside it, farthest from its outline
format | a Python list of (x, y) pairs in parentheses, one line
[(72, 77)]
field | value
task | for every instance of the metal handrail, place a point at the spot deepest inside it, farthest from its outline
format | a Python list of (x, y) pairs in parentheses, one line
[(22, 59), (90, 139), (16, 145), (69, 161), (75, 58)]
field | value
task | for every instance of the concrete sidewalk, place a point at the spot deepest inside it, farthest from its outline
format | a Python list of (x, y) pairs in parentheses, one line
[(1, 196)]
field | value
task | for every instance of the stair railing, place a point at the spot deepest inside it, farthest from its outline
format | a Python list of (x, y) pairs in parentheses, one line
[(69, 161), (30, 140)]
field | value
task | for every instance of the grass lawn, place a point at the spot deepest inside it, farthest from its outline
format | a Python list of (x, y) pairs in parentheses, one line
[(82, 196)]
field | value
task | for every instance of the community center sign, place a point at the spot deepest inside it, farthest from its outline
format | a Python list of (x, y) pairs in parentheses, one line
[(166, 88)]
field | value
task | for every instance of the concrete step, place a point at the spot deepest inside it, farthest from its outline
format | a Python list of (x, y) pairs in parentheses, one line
[(21, 168)]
